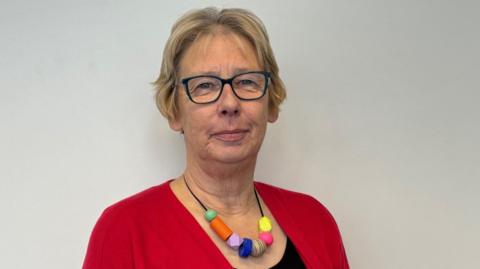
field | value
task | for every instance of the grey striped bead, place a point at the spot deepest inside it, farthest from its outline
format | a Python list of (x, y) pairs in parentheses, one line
[(258, 247)]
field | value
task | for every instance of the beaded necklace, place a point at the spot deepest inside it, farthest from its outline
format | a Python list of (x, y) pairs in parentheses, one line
[(245, 246)]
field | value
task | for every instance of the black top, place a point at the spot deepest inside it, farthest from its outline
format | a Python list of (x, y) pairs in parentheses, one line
[(290, 258)]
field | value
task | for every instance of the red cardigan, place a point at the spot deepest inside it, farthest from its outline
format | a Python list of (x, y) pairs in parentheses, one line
[(153, 230)]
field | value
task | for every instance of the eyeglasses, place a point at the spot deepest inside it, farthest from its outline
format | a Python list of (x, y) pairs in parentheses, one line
[(208, 89)]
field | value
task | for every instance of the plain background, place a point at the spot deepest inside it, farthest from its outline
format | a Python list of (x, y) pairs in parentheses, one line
[(381, 123)]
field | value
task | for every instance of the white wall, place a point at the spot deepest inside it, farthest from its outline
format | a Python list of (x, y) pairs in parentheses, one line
[(381, 122)]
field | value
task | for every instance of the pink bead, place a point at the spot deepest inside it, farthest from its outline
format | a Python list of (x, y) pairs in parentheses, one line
[(266, 237)]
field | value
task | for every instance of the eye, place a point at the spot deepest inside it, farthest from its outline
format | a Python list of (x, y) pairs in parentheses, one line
[(203, 89), (205, 85), (252, 81), (246, 82)]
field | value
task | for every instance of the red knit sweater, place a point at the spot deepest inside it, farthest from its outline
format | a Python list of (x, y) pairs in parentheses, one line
[(153, 230)]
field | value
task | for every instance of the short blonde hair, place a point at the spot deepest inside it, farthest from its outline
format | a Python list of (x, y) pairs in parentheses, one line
[(204, 21)]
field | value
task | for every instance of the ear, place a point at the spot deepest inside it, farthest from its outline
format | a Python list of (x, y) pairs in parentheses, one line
[(272, 116), (175, 119), (175, 124)]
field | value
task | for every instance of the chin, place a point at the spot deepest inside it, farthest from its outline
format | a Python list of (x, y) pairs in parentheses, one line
[(231, 155)]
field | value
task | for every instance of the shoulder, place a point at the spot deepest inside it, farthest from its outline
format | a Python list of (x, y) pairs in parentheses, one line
[(303, 216), (156, 196), (134, 211), (292, 200), (120, 224)]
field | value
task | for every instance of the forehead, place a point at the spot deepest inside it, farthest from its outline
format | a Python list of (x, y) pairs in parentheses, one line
[(219, 53)]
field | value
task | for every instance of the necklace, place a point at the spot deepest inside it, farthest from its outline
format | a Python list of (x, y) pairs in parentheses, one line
[(245, 246)]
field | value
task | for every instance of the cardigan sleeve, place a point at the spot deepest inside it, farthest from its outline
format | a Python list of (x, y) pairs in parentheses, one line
[(110, 243), (332, 236)]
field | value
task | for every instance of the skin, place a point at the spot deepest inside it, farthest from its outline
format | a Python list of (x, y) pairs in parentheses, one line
[(222, 142)]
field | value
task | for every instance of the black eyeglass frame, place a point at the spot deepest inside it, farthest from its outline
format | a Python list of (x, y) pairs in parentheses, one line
[(228, 81)]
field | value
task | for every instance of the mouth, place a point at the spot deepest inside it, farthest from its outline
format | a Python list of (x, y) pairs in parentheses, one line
[(231, 135)]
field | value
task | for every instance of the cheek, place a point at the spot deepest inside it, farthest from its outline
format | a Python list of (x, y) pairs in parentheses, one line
[(258, 115), (197, 120), (264, 109)]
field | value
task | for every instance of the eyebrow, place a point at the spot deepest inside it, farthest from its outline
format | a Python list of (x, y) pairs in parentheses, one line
[(236, 71)]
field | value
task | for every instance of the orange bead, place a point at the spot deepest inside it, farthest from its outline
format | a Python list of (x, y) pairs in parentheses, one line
[(220, 228)]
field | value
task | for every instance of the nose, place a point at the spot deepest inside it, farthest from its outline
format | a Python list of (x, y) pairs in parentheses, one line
[(228, 104)]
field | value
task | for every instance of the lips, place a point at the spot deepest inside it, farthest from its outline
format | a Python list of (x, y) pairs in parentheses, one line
[(231, 135)]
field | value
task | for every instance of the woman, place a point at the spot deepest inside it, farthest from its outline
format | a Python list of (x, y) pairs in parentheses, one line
[(219, 87)]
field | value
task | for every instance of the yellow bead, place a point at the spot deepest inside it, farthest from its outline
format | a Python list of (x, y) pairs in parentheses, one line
[(264, 224)]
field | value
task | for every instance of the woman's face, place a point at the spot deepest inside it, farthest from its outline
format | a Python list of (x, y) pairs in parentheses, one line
[(229, 130)]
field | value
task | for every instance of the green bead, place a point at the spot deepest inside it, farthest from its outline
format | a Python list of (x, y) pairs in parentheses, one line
[(210, 215)]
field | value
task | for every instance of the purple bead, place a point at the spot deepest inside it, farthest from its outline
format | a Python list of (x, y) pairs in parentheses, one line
[(234, 241)]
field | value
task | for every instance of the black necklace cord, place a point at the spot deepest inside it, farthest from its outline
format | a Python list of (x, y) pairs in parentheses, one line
[(196, 198), (204, 207), (258, 201)]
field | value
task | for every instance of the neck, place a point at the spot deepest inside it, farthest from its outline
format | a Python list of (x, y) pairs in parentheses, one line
[(226, 188)]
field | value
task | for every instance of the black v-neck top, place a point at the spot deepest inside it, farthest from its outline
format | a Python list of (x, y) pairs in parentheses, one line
[(290, 258)]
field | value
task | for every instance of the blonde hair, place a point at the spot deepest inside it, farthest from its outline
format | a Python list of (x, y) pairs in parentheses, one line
[(204, 21)]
